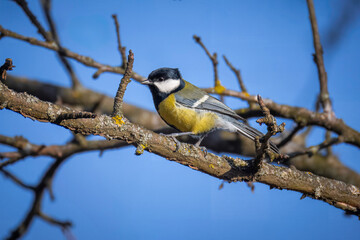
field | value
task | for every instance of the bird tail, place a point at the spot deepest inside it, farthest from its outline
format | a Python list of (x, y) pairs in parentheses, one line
[(252, 133)]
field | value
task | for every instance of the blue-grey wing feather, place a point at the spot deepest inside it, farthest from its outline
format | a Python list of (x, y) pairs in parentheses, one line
[(187, 99)]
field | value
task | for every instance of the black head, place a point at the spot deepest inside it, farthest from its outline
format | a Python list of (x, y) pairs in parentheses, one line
[(164, 81), (163, 74)]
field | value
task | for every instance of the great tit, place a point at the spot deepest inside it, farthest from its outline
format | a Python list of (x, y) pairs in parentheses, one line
[(191, 110)]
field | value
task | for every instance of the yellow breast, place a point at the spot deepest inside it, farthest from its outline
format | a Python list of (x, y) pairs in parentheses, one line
[(185, 119)]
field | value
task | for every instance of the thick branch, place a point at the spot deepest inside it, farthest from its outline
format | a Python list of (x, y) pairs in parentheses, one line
[(88, 100), (334, 192), (217, 141)]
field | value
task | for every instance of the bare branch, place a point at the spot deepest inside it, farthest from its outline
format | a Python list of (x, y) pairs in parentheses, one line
[(35, 208), (16, 180), (315, 149), (302, 116), (290, 136), (237, 74), (118, 101), (273, 129), (331, 191), (120, 47), (23, 4), (319, 60), (62, 224), (46, 4), (239, 78), (213, 58), (88, 61)]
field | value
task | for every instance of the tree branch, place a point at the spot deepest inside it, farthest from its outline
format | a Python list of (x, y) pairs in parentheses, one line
[(319, 60), (299, 115), (88, 61), (334, 192), (302, 116), (213, 58), (16, 180), (120, 47), (118, 101), (23, 4), (217, 141), (46, 4), (239, 78), (7, 66)]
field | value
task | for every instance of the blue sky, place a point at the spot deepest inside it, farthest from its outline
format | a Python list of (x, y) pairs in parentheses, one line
[(123, 196)]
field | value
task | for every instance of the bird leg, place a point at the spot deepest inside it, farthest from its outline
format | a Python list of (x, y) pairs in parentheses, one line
[(174, 135), (197, 144)]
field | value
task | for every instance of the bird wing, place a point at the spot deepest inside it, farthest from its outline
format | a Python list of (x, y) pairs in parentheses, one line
[(203, 101)]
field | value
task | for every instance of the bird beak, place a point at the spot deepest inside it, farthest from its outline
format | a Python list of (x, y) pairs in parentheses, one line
[(146, 82)]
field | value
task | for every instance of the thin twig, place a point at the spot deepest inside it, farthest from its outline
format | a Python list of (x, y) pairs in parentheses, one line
[(7, 66), (237, 74), (16, 179), (319, 60), (87, 61), (290, 136), (213, 59), (120, 47), (46, 4), (62, 224), (310, 151), (239, 78), (118, 101), (273, 128), (23, 4), (35, 209)]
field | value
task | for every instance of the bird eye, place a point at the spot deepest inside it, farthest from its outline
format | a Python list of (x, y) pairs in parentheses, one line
[(161, 79)]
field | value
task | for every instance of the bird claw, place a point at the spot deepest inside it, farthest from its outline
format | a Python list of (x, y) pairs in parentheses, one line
[(177, 143), (204, 149)]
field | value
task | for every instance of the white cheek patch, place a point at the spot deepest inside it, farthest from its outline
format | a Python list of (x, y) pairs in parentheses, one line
[(168, 85), (200, 101)]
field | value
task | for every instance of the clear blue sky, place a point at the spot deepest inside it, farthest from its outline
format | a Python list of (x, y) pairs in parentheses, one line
[(123, 196)]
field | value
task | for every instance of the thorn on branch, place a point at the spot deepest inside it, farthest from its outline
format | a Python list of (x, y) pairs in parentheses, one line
[(7, 66), (118, 101)]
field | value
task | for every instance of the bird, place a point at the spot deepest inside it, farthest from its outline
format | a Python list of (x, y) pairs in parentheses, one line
[(192, 111)]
